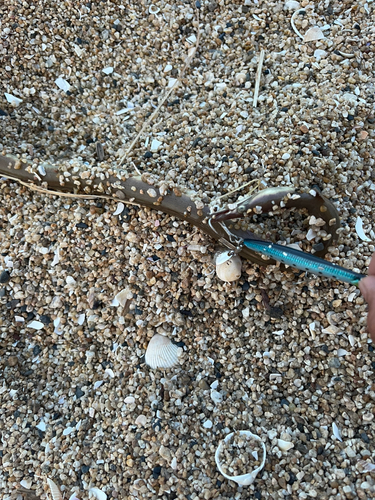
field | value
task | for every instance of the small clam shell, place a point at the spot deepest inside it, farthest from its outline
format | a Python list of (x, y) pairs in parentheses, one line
[(161, 352), (228, 269), (314, 33), (243, 479)]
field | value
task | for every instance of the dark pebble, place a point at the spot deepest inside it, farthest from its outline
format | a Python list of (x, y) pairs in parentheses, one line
[(318, 247), (170, 238), (4, 277), (85, 469), (156, 472), (30, 316), (245, 286), (79, 393), (37, 350), (364, 437), (198, 4), (315, 152), (147, 155), (50, 128), (284, 402), (257, 495), (46, 320), (292, 478), (12, 304), (82, 225), (186, 312), (218, 483), (2, 292), (27, 373), (3, 113), (302, 448), (350, 118), (284, 109)]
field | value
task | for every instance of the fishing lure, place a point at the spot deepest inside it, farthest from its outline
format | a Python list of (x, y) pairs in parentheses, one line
[(304, 261)]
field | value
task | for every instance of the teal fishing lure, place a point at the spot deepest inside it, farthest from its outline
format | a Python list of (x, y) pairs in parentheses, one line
[(303, 261)]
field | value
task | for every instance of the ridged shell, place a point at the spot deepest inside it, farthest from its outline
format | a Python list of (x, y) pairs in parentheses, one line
[(161, 352), (243, 479), (229, 270), (55, 491), (97, 493)]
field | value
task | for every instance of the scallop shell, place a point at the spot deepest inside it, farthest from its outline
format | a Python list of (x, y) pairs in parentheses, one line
[(228, 268), (55, 491), (314, 33), (161, 352), (243, 479)]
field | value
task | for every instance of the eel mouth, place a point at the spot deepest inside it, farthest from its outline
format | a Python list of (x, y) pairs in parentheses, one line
[(136, 190)]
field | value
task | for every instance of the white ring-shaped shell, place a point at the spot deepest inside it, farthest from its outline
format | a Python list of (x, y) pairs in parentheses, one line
[(243, 479), (153, 9)]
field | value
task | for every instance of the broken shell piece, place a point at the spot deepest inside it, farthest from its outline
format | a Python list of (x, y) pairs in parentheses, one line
[(243, 479), (161, 352), (55, 491), (123, 296), (314, 33), (360, 231), (284, 445), (228, 268), (292, 5), (97, 493)]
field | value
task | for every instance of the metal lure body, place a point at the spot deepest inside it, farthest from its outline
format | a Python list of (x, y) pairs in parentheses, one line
[(304, 261)]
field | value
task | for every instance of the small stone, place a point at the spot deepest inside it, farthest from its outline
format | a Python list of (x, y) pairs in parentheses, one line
[(11, 361), (336, 303), (79, 393), (165, 452), (203, 385), (304, 129), (4, 277)]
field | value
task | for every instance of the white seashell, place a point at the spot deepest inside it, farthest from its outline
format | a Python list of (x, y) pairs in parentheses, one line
[(119, 209), (314, 33), (123, 296), (97, 384), (351, 340), (55, 491), (108, 70), (168, 68), (153, 9), (223, 257), (12, 99), (110, 372), (230, 270), (41, 426), (208, 424), (36, 325), (129, 400), (336, 431), (174, 463), (26, 483), (319, 53), (81, 319), (42, 170), (73, 497), (155, 144), (292, 5), (284, 445), (342, 352), (243, 479), (141, 420), (97, 493), (161, 352), (216, 396), (360, 231), (62, 84)]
